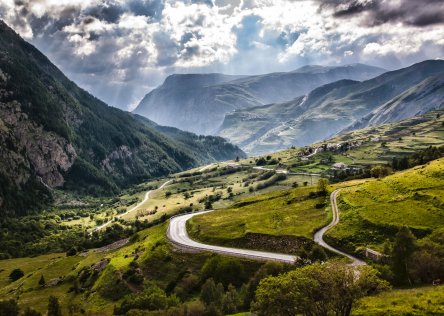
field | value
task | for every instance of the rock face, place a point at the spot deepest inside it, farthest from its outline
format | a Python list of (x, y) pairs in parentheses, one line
[(199, 102), (48, 155), (55, 135), (338, 106)]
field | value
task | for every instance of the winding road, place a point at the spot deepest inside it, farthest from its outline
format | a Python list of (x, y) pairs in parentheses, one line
[(146, 198), (178, 235), (319, 235)]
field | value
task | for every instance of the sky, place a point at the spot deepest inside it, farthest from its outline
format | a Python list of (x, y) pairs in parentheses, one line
[(120, 50)]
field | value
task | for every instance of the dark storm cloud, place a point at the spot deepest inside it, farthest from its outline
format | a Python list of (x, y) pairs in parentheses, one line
[(409, 12)]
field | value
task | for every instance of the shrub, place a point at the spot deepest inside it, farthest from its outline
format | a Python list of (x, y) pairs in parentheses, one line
[(16, 274)]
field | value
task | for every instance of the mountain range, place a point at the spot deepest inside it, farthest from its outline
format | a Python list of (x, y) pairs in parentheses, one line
[(335, 107), (53, 134), (199, 102), (266, 113)]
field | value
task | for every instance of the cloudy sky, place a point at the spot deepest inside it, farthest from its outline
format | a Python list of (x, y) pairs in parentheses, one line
[(119, 50)]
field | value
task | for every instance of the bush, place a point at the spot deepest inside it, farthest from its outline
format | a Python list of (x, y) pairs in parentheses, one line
[(224, 270), (271, 181), (71, 252), (9, 308), (16, 274)]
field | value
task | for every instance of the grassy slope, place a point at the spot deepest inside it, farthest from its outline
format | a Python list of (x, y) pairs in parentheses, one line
[(156, 258), (415, 133), (289, 213), (372, 211), (418, 301)]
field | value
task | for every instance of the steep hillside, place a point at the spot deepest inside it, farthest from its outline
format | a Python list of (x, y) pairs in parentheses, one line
[(54, 134), (199, 102), (426, 96), (344, 104)]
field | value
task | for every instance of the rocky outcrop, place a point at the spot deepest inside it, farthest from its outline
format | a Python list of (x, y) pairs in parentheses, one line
[(28, 150)]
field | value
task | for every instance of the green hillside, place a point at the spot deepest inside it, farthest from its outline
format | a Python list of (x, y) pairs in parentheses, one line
[(54, 134), (359, 149), (418, 301), (279, 221), (97, 282), (372, 212)]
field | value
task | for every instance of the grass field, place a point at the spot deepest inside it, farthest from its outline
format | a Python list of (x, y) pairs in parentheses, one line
[(184, 193), (285, 213), (417, 301), (372, 211)]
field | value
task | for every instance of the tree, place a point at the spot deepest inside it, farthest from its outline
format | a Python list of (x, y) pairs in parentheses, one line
[(403, 247), (42, 281), (318, 290), (211, 294), (231, 301), (379, 171), (16, 274), (208, 205), (261, 162), (323, 186), (224, 270), (427, 262), (318, 253), (54, 307), (9, 308)]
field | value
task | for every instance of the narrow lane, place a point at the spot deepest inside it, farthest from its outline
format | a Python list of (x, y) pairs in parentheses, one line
[(319, 235), (177, 233), (146, 198)]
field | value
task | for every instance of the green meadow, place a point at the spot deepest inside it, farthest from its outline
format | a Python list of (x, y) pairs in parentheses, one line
[(292, 213), (373, 211)]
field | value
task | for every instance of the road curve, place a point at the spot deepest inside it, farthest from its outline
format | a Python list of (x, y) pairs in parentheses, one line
[(319, 235), (146, 198), (177, 234)]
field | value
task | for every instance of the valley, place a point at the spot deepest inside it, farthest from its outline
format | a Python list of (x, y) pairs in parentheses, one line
[(316, 191), (251, 212)]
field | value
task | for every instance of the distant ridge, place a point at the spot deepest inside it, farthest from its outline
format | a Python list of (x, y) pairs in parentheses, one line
[(199, 102), (337, 106)]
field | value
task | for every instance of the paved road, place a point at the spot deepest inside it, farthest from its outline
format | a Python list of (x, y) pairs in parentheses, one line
[(146, 198), (177, 233), (283, 171), (318, 236), (207, 167)]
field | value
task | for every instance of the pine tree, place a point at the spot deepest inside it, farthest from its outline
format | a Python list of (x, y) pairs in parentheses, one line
[(403, 247)]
